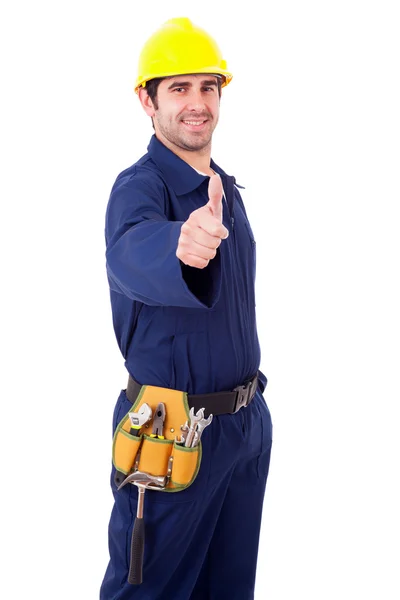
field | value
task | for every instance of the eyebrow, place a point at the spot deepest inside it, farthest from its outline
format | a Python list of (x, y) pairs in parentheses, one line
[(206, 82)]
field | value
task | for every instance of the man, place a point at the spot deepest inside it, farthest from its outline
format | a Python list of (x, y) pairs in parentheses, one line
[(181, 268)]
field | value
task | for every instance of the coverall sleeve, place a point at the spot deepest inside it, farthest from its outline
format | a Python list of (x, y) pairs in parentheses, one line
[(141, 246)]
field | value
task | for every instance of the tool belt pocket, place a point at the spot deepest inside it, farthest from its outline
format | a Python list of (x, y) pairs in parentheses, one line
[(157, 454), (185, 466), (125, 447)]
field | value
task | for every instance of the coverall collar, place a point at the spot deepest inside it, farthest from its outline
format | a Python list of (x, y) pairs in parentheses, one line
[(178, 174)]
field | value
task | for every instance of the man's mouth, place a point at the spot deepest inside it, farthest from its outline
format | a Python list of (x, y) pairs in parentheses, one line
[(194, 125), (194, 122)]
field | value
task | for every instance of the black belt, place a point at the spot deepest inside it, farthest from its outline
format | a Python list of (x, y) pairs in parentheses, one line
[(219, 403)]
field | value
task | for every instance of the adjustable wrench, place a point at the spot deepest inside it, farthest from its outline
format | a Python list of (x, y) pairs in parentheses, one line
[(140, 418)]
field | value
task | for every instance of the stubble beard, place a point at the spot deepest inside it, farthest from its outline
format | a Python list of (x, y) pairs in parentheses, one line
[(184, 140)]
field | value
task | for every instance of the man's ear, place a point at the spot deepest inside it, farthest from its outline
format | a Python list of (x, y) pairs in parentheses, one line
[(146, 102)]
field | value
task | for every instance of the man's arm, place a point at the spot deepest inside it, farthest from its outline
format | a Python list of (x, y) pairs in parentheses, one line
[(141, 255)]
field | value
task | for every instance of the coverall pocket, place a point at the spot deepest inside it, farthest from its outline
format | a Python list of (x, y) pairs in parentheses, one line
[(253, 246), (266, 436), (122, 407)]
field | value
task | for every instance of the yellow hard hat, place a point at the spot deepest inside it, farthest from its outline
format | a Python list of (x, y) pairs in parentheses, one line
[(180, 48)]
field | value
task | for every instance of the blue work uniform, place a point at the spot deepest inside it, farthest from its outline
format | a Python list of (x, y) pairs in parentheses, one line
[(194, 330)]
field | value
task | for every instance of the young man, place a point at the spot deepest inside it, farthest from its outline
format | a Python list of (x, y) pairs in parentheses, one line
[(181, 268)]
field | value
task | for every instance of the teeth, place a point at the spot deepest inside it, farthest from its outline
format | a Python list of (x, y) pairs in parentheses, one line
[(194, 122)]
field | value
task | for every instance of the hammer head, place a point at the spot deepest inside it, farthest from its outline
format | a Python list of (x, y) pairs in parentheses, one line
[(140, 477)]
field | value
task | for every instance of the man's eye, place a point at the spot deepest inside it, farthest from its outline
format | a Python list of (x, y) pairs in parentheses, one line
[(179, 89)]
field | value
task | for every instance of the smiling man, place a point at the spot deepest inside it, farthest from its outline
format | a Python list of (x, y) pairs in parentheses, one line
[(181, 265), (185, 112)]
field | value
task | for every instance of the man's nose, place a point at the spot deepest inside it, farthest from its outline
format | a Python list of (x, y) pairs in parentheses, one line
[(196, 101)]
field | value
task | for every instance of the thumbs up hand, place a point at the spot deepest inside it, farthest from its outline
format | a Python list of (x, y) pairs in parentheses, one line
[(203, 232), (215, 194)]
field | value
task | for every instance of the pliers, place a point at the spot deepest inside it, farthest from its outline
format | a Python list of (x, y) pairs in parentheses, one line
[(158, 422)]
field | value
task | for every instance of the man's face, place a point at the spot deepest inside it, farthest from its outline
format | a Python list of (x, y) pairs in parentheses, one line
[(188, 111)]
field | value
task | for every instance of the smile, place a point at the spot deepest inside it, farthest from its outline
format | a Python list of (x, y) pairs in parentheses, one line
[(195, 125)]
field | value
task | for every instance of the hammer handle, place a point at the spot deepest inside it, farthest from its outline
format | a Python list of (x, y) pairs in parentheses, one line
[(135, 576)]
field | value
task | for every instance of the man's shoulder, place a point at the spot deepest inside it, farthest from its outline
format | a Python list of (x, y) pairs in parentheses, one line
[(136, 187), (140, 168), (143, 171)]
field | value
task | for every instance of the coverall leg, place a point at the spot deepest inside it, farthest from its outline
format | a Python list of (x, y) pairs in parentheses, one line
[(200, 543)]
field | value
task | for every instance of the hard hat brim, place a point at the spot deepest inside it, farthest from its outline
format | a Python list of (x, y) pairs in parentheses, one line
[(227, 77)]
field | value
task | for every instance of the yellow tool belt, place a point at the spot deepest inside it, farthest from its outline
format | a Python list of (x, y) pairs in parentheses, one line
[(160, 457)]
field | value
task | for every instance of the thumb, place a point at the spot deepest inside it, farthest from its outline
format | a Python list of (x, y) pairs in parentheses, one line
[(215, 194)]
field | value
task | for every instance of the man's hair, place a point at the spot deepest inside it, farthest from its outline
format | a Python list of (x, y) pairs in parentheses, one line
[(152, 87)]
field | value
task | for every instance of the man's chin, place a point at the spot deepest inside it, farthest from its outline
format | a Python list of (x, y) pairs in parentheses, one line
[(195, 145), (189, 142)]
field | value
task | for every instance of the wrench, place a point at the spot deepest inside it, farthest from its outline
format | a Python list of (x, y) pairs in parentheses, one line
[(182, 438), (194, 419), (201, 425), (139, 418)]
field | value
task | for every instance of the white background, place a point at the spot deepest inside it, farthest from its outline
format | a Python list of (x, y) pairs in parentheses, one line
[(310, 125)]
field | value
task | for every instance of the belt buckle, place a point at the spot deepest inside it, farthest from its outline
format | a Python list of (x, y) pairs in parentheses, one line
[(243, 396)]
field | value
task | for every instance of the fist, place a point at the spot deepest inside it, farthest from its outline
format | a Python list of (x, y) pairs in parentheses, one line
[(203, 232)]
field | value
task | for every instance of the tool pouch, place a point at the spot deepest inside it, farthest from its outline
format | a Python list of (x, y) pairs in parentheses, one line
[(156, 456)]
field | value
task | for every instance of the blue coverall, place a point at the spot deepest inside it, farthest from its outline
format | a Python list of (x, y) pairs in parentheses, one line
[(194, 330)]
